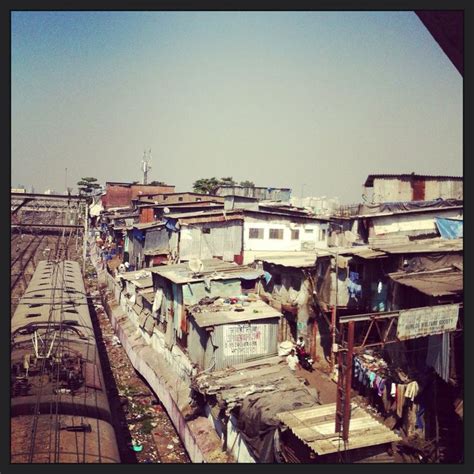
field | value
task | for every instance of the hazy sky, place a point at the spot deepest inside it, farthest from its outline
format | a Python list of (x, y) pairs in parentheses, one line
[(314, 100)]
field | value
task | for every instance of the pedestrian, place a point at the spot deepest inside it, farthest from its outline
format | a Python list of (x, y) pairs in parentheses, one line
[(292, 360)]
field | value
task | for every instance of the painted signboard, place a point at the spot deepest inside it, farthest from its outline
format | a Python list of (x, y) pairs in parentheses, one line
[(243, 339), (420, 322)]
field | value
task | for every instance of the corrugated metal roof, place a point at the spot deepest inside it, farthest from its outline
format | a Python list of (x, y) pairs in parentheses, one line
[(423, 246), (214, 269), (255, 310), (316, 428), (148, 225), (290, 259), (369, 182), (446, 282), (140, 278)]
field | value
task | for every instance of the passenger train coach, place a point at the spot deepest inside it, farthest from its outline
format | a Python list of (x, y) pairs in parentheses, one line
[(59, 407)]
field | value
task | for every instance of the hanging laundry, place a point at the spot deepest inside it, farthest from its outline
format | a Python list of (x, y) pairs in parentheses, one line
[(412, 389), (400, 399)]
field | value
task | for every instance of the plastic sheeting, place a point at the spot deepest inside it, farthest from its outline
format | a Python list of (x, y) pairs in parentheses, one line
[(449, 228), (258, 422), (438, 354), (407, 206)]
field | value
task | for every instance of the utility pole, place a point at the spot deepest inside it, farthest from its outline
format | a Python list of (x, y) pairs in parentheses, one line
[(146, 165), (65, 180), (86, 237)]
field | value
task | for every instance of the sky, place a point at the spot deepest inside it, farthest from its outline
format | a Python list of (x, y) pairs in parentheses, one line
[(313, 101)]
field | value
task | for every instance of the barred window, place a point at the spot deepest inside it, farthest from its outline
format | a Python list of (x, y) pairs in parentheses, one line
[(255, 233), (295, 234), (276, 234)]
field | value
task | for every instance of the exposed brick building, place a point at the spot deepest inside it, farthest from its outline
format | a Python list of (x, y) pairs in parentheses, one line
[(121, 194)]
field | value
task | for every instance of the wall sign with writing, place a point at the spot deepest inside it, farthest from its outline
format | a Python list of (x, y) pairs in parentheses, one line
[(420, 322)]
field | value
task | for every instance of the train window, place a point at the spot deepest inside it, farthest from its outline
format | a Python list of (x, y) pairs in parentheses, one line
[(72, 311), (33, 315), (38, 295), (35, 305)]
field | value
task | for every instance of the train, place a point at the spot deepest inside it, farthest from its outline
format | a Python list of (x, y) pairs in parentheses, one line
[(59, 408)]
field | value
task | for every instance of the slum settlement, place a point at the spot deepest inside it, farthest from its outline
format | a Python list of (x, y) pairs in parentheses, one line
[(275, 329)]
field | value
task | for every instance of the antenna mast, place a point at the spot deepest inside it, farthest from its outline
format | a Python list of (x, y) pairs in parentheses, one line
[(146, 165)]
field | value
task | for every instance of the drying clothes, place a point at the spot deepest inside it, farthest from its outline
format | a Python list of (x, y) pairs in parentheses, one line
[(412, 390), (380, 388), (267, 276), (419, 417), (400, 399), (372, 379), (393, 390)]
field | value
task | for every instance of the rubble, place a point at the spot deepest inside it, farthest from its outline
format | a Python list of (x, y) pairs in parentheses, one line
[(142, 419)]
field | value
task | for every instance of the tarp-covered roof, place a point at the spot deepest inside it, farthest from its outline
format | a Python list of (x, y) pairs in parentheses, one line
[(444, 282), (259, 389)]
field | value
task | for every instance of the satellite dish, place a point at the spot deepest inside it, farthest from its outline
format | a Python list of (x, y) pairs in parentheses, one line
[(166, 210), (350, 236), (196, 265)]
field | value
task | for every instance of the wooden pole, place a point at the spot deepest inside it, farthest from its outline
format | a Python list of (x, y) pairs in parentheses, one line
[(333, 336), (348, 382)]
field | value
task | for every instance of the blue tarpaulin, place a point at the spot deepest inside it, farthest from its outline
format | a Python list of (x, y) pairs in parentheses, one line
[(172, 224), (449, 228), (139, 235)]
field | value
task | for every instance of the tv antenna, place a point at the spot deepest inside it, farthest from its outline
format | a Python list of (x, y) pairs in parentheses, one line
[(146, 165)]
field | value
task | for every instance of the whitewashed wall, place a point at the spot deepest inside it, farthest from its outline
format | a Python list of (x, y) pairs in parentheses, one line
[(306, 240), (411, 222)]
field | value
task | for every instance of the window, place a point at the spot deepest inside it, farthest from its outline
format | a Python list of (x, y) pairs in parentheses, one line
[(255, 233), (180, 198), (322, 234), (276, 234), (206, 230), (308, 231), (198, 199), (295, 234), (165, 197)]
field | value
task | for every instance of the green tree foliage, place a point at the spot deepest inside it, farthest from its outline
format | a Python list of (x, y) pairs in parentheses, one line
[(206, 185), (87, 186), (210, 185)]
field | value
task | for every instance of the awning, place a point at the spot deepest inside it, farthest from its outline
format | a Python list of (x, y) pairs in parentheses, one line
[(446, 282)]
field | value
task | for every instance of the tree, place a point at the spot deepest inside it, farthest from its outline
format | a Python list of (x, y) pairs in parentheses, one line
[(247, 184), (227, 181), (87, 186), (206, 185), (156, 183), (210, 185)]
